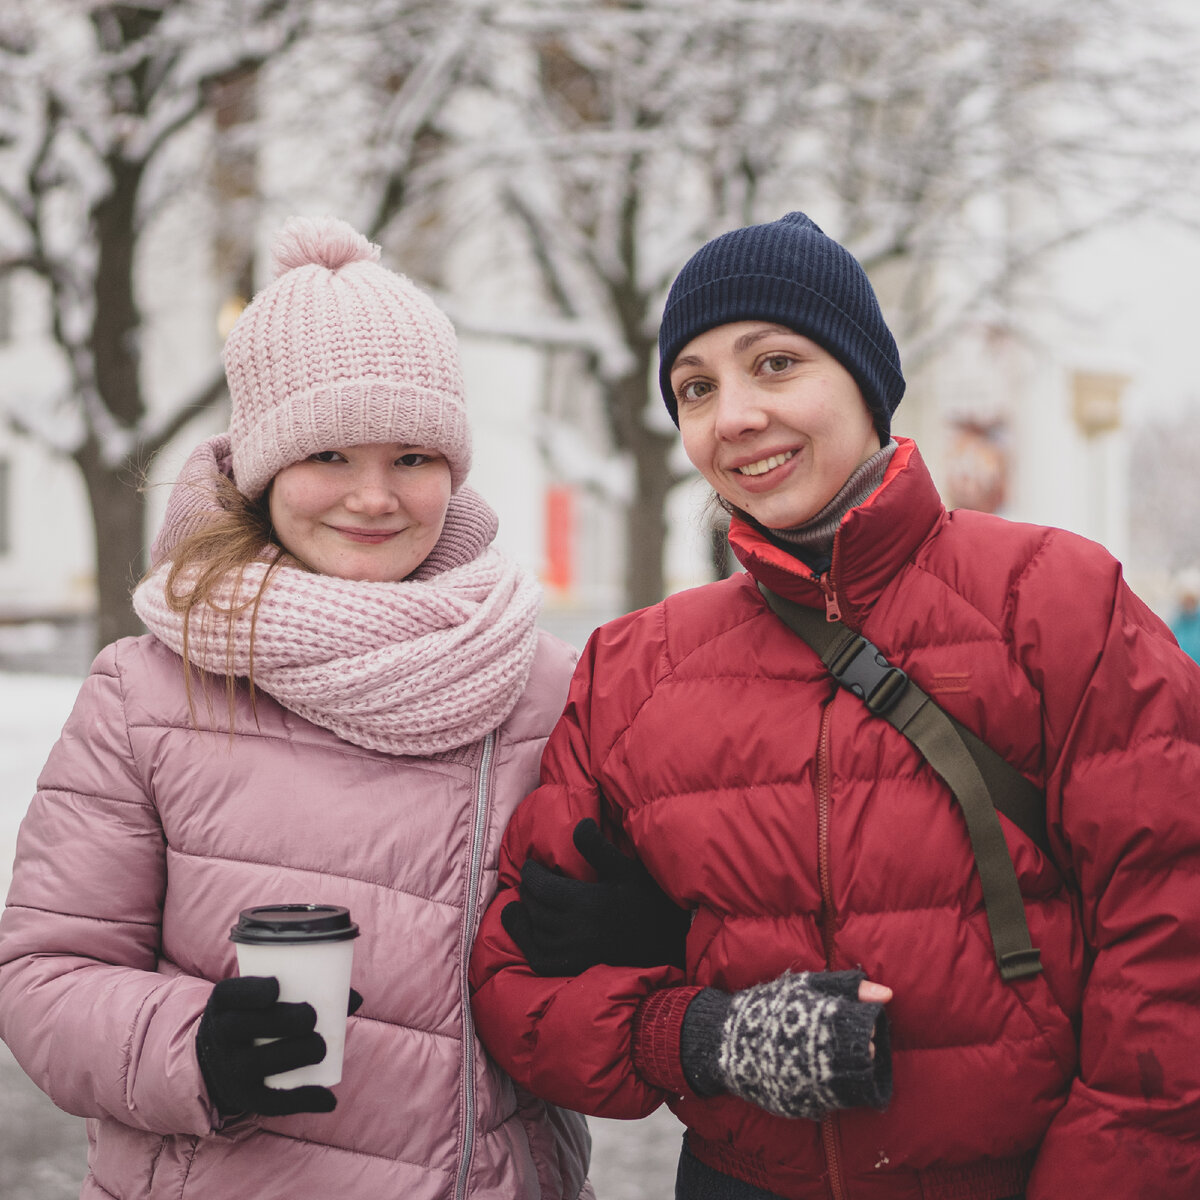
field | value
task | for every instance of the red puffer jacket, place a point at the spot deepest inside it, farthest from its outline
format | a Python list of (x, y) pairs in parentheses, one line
[(808, 835)]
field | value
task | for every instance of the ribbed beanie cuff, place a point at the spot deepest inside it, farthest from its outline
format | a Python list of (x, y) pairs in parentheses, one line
[(355, 413), (788, 272)]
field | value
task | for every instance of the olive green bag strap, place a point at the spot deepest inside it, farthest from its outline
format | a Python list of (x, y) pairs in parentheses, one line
[(981, 780)]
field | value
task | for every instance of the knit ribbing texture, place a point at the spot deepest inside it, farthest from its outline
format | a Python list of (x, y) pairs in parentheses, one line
[(654, 1037)]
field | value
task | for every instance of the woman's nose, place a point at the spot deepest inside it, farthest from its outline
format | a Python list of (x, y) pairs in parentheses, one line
[(739, 410), (371, 496)]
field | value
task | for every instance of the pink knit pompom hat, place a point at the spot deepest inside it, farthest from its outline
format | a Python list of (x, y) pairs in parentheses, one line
[(339, 351)]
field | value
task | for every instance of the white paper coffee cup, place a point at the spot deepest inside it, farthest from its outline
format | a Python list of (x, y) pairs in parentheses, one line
[(309, 948)]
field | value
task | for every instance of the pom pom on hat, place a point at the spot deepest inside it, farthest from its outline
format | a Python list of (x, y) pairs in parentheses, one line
[(791, 273), (321, 241), (339, 351)]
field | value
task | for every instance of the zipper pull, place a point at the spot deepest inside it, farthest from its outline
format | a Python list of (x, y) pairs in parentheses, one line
[(832, 611)]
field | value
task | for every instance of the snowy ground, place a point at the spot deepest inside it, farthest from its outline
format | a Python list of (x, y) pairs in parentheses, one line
[(43, 1150)]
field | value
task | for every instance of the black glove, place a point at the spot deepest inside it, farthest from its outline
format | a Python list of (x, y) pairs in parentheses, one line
[(624, 919), (239, 1011)]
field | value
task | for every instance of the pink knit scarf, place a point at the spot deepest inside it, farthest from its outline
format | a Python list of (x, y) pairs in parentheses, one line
[(418, 667)]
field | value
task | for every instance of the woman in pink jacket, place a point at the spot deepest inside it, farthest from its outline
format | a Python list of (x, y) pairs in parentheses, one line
[(343, 698)]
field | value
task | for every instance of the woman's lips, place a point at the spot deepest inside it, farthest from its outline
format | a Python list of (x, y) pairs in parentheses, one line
[(367, 537), (768, 463), (766, 477)]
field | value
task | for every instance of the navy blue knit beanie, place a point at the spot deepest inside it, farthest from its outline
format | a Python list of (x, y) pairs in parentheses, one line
[(791, 273)]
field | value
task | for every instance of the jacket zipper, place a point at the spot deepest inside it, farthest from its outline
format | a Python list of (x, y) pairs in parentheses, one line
[(828, 922), (474, 882), (833, 611), (828, 916)]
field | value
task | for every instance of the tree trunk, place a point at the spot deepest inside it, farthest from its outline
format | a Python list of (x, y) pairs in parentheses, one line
[(118, 522), (646, 521), (650, 451), (115, 341)]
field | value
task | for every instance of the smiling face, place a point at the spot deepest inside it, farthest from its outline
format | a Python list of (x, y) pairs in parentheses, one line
[(773, 421), (370, 513)]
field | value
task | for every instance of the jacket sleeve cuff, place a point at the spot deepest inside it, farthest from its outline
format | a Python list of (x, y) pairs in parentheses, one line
[(655, 1038)]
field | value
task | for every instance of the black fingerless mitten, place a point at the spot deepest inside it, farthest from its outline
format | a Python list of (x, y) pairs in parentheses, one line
[(563, 926), (238, 1012)]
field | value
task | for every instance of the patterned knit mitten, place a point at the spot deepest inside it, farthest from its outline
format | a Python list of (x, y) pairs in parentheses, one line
[(798, 1046)]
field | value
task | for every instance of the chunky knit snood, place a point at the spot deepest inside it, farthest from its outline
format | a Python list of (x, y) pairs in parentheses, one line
[(425, 665)]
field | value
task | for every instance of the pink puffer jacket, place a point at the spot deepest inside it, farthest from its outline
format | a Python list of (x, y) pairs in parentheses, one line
[(145, 840)]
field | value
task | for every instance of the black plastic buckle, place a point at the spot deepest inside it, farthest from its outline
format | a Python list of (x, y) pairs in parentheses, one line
[(862, 669), (1020, 964)]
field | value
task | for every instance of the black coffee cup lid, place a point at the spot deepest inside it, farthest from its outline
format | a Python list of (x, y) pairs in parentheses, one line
[(284, 923)]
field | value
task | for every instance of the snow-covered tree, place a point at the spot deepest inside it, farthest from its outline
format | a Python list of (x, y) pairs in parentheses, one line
[(962, 143), (952, 144), (98, 97), (371, 85), (605, 155)]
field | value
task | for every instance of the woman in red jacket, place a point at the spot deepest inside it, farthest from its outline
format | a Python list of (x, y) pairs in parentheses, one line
[(745, 894)]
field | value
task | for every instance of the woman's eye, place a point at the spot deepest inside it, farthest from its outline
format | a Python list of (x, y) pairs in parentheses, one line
[(774, 364), (696, 389), (325, 456), (414, 460)]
